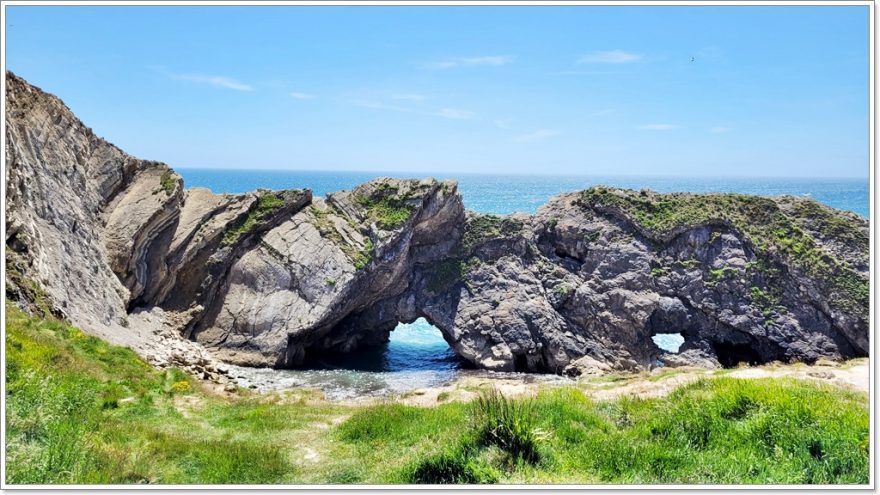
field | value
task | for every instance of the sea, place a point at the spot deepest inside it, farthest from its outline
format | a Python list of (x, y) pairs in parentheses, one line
[(417, 356)]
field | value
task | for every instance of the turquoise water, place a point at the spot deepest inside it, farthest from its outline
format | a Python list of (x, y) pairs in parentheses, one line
[(416, 355)]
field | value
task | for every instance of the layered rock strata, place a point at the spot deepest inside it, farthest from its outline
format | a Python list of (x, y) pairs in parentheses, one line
[(276, 278)]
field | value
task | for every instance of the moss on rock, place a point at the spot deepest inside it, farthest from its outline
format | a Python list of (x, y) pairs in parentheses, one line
[(268, 202), (760, 219)]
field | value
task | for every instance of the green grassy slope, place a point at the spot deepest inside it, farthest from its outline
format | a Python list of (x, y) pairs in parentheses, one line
[(82, 411)]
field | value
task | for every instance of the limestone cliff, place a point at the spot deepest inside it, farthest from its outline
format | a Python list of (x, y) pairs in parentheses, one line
[(275, 278)]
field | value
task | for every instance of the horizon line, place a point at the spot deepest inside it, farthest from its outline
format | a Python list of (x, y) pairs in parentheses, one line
[(434, 173)]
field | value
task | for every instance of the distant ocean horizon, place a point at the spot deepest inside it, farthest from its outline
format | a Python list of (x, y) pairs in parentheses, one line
[(508, 193)]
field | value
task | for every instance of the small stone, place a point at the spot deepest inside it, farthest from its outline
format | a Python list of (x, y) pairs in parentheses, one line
[(824, 375)]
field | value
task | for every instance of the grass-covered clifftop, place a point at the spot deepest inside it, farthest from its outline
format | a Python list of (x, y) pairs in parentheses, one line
[(763, 220), (82, 411)]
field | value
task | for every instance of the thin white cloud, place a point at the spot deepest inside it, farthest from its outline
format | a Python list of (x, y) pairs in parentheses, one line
[(720, 129), (657, 127), (301, 96), (410, 97), (455, 113), (610, 57), (378, 105), (538, 135), (216, 81), (491, 60), (503, 123)]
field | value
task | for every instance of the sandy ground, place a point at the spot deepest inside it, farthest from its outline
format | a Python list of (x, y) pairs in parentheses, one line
[(852, 374)]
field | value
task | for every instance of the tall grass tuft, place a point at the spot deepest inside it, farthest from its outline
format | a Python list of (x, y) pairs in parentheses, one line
[(453, 465), (507, 424)]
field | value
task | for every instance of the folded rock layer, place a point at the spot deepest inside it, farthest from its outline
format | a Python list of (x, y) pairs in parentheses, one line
[(277, 278)]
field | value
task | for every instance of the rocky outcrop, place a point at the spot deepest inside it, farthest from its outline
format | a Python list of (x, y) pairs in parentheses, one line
[(276, 278), (340, 256), (98, 237), (584, 284)]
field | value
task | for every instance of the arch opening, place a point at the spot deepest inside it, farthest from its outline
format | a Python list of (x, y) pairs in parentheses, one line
[(410, 347), (669, 342)]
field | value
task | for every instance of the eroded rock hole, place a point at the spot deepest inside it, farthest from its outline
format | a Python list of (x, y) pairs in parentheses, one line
[(419, 345), (669, 342), (730, 355)]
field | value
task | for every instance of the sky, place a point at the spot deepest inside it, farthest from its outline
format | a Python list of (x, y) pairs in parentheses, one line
[(661, 91)]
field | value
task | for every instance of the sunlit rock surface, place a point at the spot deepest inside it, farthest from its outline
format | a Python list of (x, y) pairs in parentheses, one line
[(278, 278)]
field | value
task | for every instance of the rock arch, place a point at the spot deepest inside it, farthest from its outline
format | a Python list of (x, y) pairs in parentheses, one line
[(266, 277)]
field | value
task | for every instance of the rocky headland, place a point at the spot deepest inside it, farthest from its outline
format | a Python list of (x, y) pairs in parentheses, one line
[(191, 278)]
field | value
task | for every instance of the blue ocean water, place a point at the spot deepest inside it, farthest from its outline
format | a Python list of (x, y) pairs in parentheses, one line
[(503, 194), (417, 355)]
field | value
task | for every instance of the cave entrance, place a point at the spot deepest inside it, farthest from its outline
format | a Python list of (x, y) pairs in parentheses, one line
[(730, 355), (411, 347), (669, 342)]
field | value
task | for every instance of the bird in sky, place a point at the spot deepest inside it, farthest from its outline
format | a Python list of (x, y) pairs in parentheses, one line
[(692, 59)]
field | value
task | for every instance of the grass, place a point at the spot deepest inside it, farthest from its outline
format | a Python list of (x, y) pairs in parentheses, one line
[(563, 290), (82, 411), (386, 207), (481, 228), (507, 424), (774, 234), (455, 465), (830, 224), (267, 203), (363, 257), (167, 182), (717, 275)]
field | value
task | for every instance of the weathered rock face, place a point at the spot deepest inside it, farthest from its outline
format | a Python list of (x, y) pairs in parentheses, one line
[(61, 179), (275, 278), (93, 234), (327, 261)]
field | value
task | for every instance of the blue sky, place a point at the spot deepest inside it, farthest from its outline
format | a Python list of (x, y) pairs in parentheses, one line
[(771, 91)]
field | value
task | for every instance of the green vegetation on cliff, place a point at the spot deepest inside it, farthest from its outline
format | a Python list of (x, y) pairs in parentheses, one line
[(387, 206), (82, 411), (360, 257), (482, 228), (267, 203), (447, 273), (830, 224), (772, 232), (168, 182)]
